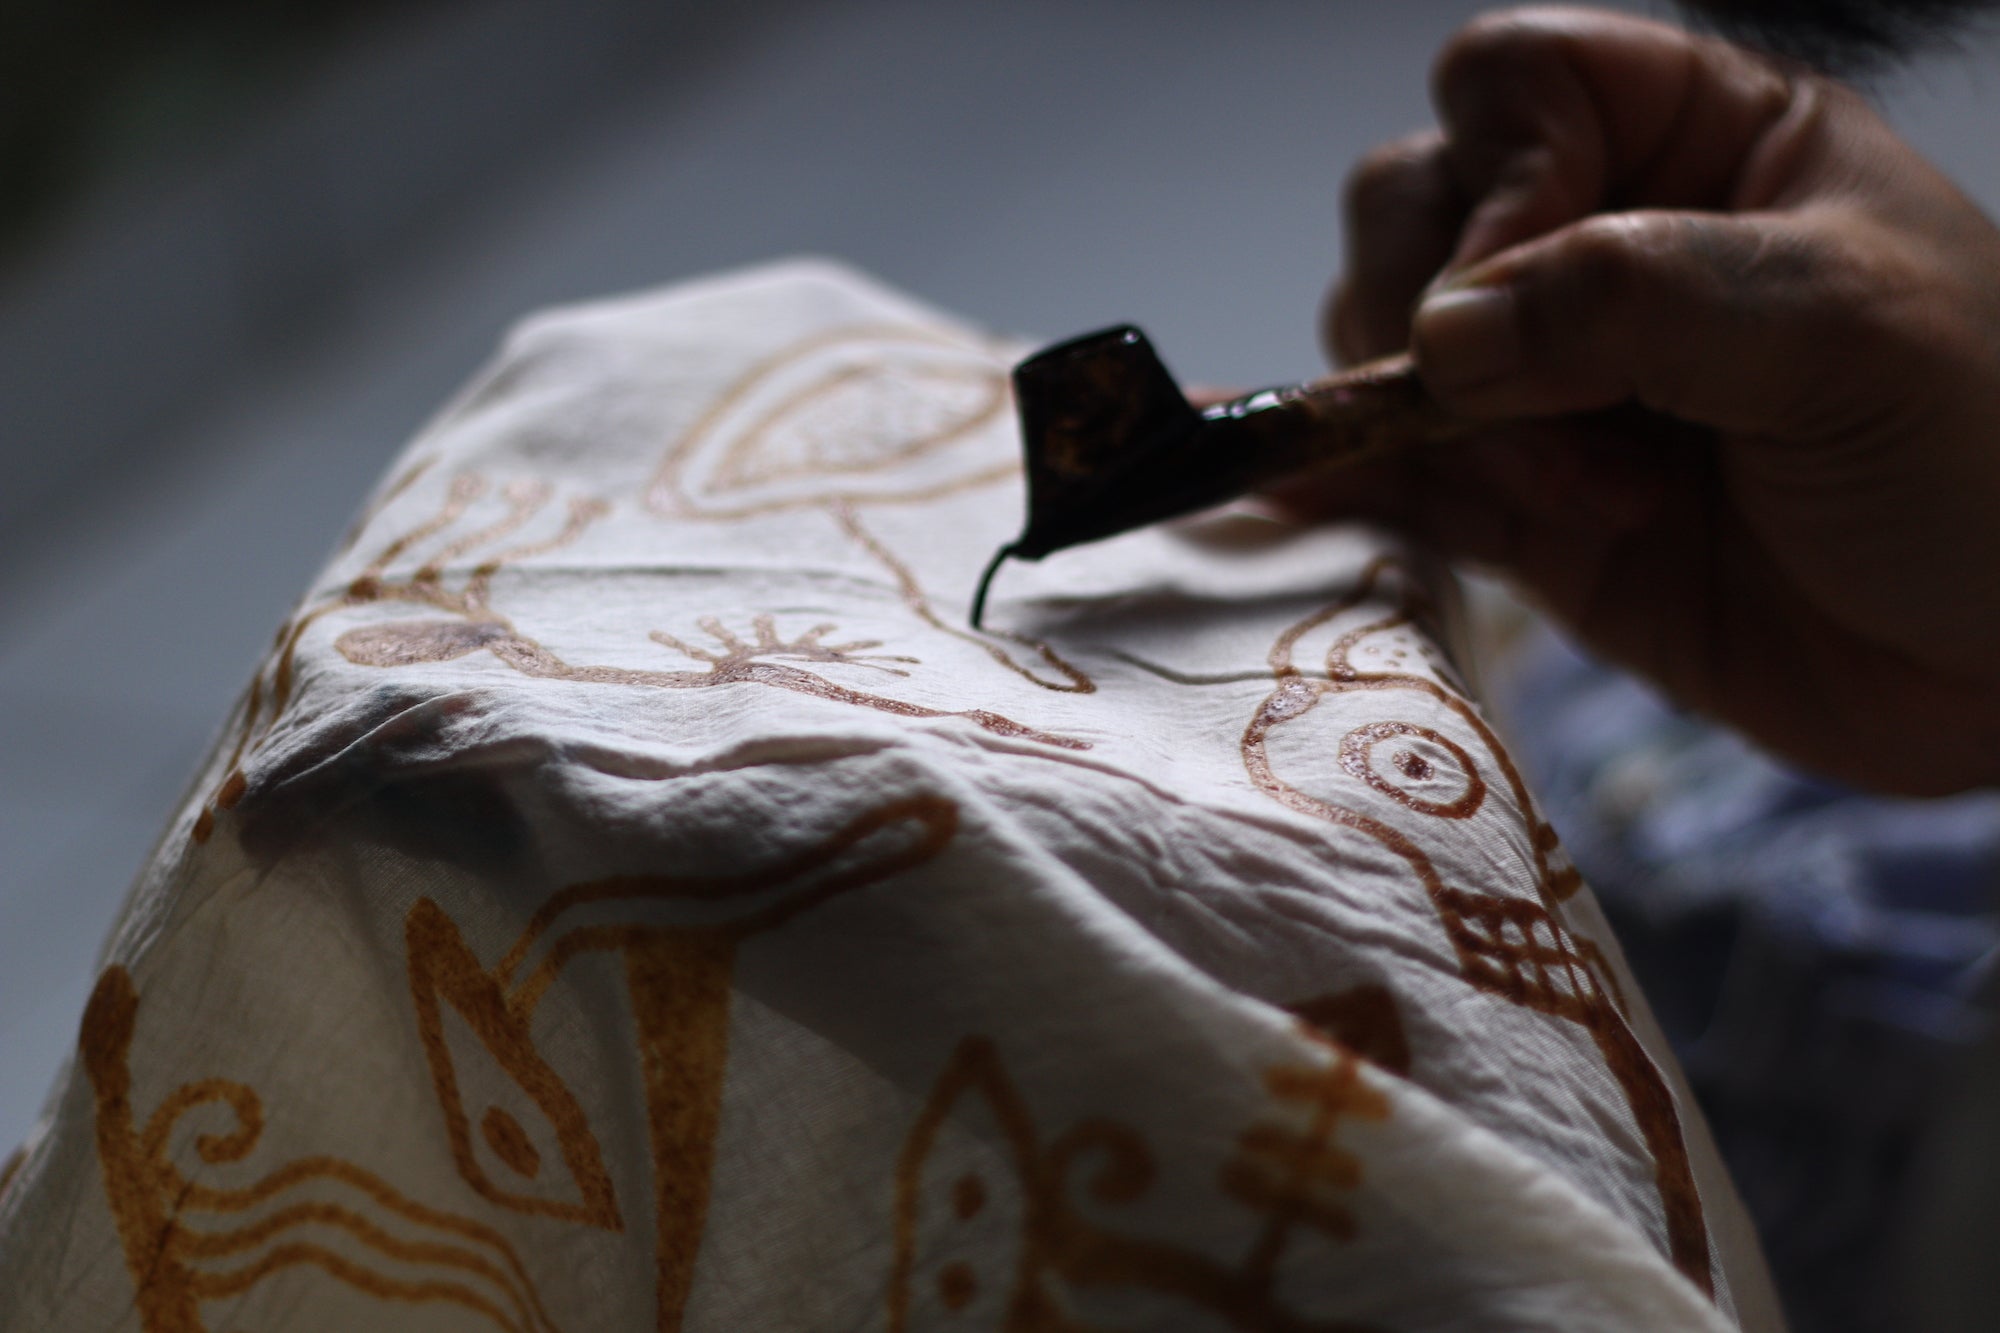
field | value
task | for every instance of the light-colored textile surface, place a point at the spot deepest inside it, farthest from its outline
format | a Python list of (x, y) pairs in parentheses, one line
[(630, 898)]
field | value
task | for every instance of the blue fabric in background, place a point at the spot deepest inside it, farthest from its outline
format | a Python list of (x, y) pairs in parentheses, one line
[(1816, 955)]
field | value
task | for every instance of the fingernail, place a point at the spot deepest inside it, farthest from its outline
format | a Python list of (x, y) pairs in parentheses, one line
[(1453, 280), (1465, 337)]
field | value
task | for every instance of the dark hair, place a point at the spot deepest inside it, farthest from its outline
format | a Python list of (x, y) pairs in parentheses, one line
[(1841, 36)]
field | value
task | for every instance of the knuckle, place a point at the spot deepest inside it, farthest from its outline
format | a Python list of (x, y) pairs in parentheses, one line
[(1605, 261), (1498, 35), (1502, 41), (1579, 299)]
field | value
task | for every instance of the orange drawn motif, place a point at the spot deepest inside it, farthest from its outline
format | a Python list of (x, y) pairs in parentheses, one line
[(806, 431), (331, 1215), (1514, 948), (1365, 1020), (272, 687), (1290, 1176), (677, 976), (188, 1242), (862, 415), (469, 624)]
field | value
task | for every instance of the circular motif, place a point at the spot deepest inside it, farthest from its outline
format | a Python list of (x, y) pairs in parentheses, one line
[(1413, 766)]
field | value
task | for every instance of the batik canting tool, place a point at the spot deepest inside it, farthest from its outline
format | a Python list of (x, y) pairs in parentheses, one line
[(1112, 443)]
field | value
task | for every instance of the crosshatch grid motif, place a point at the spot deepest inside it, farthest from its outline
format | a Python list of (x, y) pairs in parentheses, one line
[(759, 578)]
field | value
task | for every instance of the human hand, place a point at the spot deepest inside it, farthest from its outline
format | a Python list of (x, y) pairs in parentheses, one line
[(1770, 335)]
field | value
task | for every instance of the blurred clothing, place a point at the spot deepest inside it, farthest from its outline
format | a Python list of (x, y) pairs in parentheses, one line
[(1816, 955)]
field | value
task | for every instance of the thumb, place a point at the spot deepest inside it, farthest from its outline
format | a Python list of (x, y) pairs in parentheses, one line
[(1747, 323)]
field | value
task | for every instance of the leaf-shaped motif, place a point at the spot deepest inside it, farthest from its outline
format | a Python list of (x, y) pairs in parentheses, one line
[(868, 415)]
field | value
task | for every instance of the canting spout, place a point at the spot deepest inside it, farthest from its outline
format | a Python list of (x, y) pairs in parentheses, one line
[(1112, 444)]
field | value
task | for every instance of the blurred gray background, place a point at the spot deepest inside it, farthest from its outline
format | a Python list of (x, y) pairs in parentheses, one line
[(246, 258)]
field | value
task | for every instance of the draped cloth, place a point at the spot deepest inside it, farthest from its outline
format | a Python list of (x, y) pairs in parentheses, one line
[(629, 896)]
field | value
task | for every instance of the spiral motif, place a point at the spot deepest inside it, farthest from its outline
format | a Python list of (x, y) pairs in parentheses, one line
[(1357, 756), (230, 1146)]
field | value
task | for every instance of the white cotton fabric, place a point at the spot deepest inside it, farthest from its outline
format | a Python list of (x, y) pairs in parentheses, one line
[(631, 898)]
